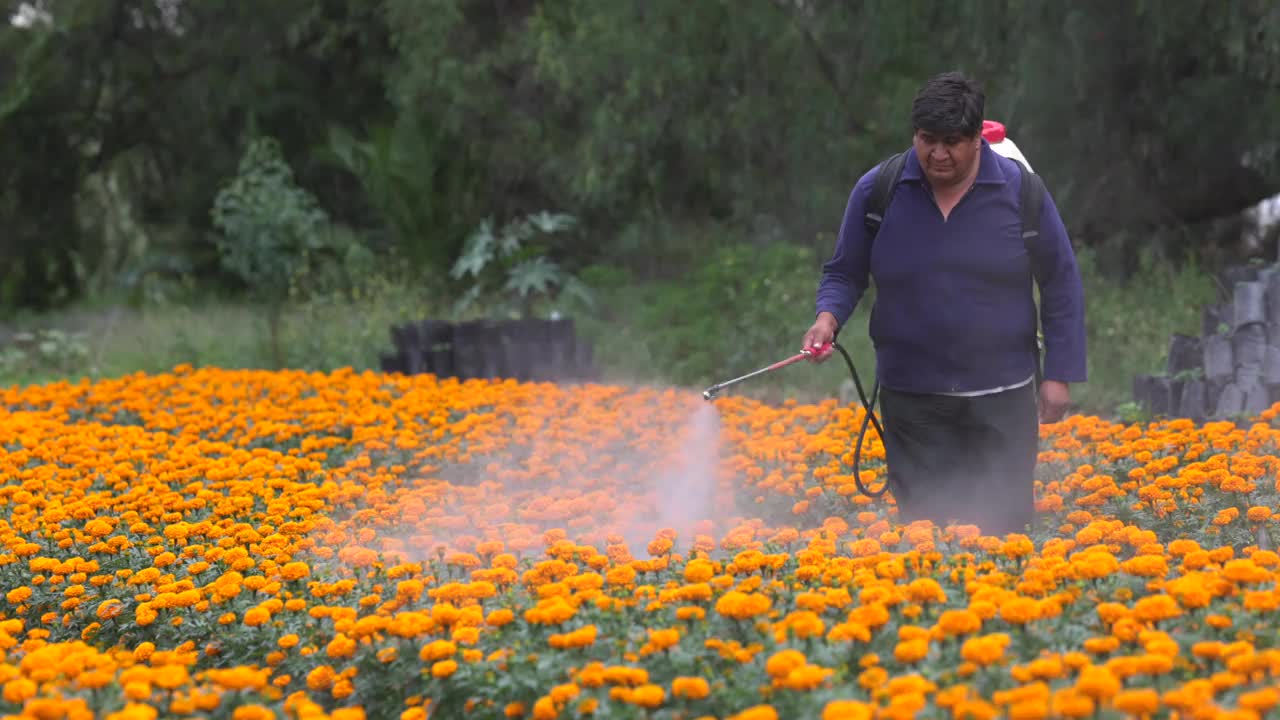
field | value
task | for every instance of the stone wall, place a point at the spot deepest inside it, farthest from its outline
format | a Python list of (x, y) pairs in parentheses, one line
[(1232, 368)]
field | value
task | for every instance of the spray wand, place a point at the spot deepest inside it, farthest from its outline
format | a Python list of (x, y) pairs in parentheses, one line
[(867, 404)]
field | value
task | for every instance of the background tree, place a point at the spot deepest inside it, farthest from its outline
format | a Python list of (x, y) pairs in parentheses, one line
[(663, 126)]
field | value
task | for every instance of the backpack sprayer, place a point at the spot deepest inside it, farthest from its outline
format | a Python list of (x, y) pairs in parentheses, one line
[(867, 403)]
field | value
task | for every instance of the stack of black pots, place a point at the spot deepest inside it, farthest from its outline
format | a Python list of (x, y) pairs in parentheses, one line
[(531, 349)]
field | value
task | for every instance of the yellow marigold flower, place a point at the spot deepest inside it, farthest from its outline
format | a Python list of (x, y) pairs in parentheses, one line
[(805, 624), (846, 710), (692, 688), (1261, 600), (108, 609), (252, 712), (911, 651), (1244, 570), (295, 571), (985, 649), (648, 695), (1260, 701), (806, 677), (958, 622), (1154, 608), (437, 650), (1265, 558), (320, 678), (1019, 610), (545, 709), (781, 663), (849, 631), (500, 617), (1070, 703), (170, 677), (1149, 566), (582, 637), (1220, 622), (143, 651), (1097, 682), (925, 590), (1136, 702), (743, 606), (699, 572), (98, 528), (240, 678), (256, 616), (19, 690), (663, 639), (756, 712), (341, 646)]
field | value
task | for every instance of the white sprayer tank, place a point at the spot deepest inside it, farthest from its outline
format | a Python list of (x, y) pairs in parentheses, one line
[(994, 133)]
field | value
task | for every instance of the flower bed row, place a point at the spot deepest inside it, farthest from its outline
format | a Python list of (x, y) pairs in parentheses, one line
[(245, 544)]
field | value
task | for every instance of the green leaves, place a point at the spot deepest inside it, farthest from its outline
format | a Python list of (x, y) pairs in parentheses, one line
[(479, 251), (268, 225), (513, 257), (535, 275)]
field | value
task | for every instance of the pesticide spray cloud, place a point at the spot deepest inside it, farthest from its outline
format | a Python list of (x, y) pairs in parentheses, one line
[(685, 490), (526, 465)]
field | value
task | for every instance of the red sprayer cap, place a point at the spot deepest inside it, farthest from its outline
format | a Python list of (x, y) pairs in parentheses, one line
[(992, 131)]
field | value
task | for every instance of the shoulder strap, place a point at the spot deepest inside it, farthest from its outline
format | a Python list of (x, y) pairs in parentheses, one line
[(882, 191), (1031, 200)]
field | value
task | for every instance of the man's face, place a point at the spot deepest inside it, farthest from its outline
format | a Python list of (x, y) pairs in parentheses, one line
[(946, 159)]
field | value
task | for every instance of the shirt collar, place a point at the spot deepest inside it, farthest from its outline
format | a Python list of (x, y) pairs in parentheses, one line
[(989, 170)]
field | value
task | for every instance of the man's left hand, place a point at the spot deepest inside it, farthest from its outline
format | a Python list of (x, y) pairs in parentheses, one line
[(1054, 399)]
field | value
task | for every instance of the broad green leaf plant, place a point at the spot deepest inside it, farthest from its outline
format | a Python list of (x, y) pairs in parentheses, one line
[(511, 271)]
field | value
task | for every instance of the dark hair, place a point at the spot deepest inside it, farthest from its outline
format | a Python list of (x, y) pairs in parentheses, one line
[(949, 104)]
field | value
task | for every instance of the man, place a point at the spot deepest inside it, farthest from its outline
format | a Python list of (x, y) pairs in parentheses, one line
[(954, 319)]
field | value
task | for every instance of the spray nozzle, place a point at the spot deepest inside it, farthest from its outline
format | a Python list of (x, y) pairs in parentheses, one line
[(815, 352)]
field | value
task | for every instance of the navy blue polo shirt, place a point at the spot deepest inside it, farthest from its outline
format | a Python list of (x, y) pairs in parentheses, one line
[(954, 309)]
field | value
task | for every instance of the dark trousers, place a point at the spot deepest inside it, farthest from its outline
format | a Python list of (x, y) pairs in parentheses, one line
[(968, 460)]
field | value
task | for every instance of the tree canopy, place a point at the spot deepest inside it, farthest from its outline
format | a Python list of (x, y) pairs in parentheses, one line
[(413, 121)]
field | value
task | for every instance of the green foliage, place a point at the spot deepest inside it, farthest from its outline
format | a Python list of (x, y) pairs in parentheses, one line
[(273, 233), (350, 327), (631, 137), (1086, 95), (44, 353), (269, 227), (411, 120), (1130, 412), (744, 308), (418, 180), (1129, 323), (513, 263)]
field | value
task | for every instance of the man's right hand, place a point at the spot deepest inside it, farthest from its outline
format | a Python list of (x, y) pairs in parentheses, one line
[(822, 332)]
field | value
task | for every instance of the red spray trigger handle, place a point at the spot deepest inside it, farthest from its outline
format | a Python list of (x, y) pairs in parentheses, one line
[(819, 351)]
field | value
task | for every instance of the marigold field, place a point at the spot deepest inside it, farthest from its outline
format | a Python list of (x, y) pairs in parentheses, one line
[(209, 543)]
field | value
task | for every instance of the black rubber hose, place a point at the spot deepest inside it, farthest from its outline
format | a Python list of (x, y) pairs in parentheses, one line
[(868, 405)]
